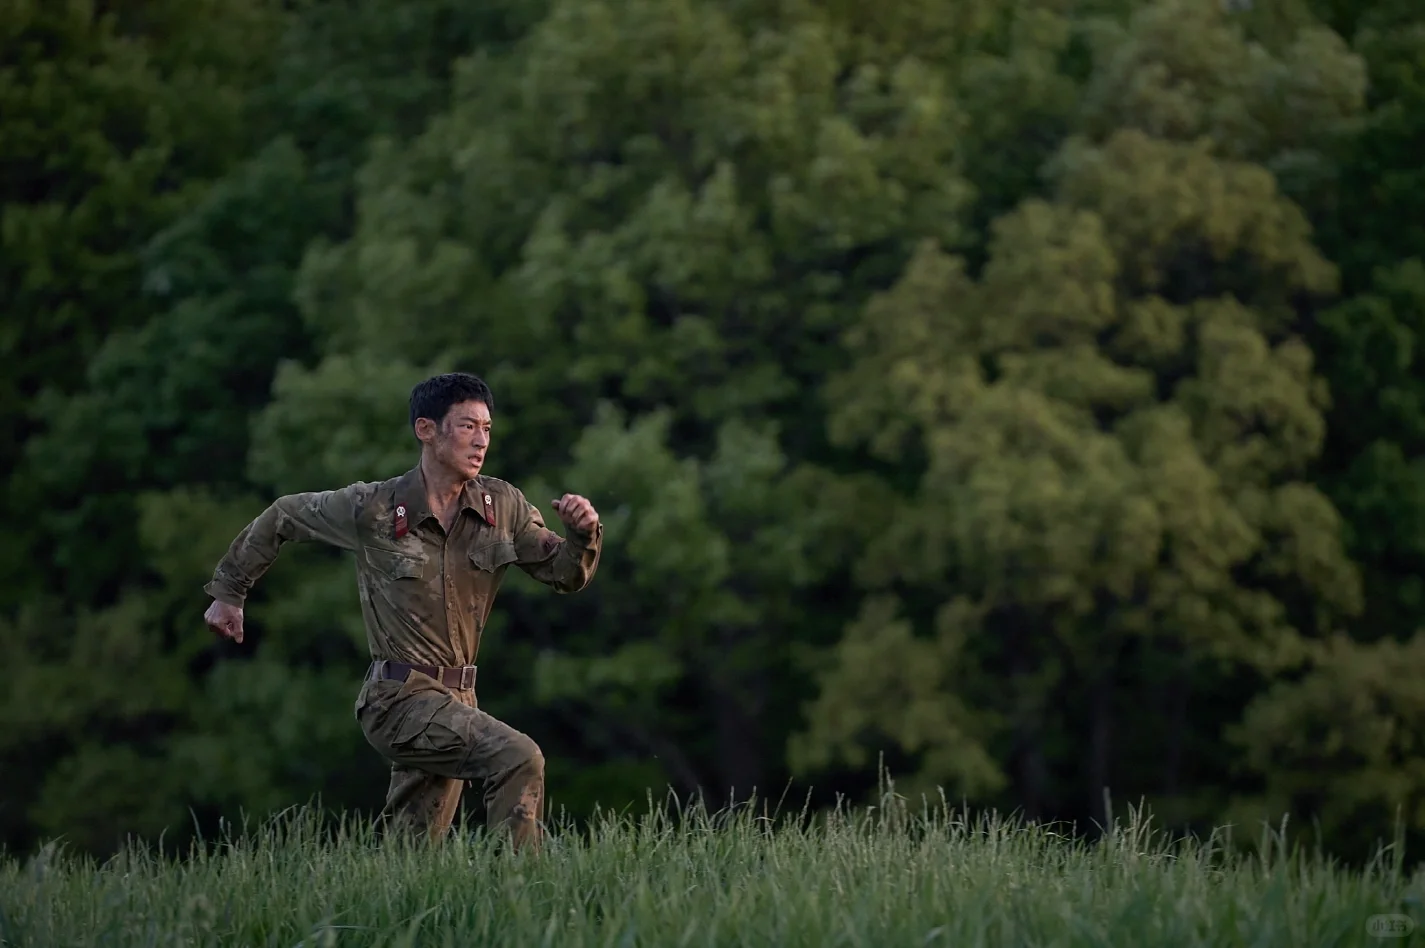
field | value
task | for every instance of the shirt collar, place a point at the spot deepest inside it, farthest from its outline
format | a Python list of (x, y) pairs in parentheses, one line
[(411, 494)]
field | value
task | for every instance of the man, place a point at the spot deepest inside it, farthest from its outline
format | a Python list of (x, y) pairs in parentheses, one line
[(431, 549)]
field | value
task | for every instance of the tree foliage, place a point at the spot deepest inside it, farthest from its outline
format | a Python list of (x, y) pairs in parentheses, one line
[(1022, 395)]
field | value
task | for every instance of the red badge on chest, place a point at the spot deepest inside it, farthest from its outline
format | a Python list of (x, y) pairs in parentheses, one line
[(489, 510), (400, 521)]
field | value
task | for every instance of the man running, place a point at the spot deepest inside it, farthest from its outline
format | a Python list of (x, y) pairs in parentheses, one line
[(431, 548)]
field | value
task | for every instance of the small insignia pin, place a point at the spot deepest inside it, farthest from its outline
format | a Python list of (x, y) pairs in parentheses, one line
[(489, 510), (400, 521)]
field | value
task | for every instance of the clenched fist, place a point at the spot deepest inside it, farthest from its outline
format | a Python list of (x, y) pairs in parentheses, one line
[(225, 620), (577, 513)]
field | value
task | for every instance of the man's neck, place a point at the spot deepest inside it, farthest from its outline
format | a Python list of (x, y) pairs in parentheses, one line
[(443, 488)]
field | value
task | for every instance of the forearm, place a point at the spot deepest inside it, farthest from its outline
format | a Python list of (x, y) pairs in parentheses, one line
[(564, 565), (576, 560), (248, 557)]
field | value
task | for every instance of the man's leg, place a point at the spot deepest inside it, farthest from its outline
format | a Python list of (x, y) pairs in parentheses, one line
[(436, 739), (418, 802)]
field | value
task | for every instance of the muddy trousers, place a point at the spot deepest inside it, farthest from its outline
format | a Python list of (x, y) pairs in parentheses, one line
[(438, 740)]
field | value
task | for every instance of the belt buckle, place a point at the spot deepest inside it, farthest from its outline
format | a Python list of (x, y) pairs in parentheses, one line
[(467, 678)]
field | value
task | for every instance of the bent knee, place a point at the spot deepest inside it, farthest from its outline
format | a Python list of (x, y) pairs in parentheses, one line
[(530, 756)]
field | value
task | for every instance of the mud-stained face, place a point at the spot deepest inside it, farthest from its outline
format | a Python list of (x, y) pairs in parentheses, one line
[(461, 440)]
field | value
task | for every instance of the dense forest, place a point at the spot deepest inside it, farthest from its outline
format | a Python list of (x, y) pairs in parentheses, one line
[(1023, 396)]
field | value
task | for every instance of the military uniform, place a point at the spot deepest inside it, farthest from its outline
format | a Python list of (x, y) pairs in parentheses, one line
[(425, 597)]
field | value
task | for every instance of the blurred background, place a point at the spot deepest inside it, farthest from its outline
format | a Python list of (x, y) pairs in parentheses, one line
[(1023, 395)]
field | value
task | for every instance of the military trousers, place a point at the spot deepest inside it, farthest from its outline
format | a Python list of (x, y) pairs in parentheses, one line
[(437, 741)]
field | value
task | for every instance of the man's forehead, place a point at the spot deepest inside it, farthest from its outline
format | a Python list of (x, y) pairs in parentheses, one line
[(470, 411)]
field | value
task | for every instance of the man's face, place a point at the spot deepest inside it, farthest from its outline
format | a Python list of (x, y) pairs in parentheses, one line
[(463, 438)]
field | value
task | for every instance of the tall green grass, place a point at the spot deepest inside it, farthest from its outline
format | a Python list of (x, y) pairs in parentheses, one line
[(883, 876)]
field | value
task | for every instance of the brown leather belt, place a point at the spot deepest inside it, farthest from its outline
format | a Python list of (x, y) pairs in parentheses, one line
[(461, 678)]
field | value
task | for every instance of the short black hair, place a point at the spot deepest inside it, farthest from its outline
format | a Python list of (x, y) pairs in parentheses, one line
[(434, 397)]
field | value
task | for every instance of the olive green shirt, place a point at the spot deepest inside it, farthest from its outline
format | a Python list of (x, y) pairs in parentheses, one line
[(425, 594)]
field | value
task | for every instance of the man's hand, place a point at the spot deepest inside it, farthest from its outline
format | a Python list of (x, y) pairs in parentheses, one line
[(225, 620), (577, 513)]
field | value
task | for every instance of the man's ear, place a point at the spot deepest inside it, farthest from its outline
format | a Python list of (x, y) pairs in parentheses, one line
[(425, 430)]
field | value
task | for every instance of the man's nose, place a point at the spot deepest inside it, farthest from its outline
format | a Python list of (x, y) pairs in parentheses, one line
[(482, 438)]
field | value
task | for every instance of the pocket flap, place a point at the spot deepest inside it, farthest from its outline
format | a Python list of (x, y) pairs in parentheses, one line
[(492, 556), (413, 722), (395, 564)]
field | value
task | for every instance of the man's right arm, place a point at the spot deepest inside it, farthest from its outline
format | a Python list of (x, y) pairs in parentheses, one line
[(317, 516)]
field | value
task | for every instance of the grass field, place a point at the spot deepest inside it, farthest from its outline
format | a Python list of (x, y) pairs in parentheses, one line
[(889, 876)]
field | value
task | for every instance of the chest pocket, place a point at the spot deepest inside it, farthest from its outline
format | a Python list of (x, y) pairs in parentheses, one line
[(395, 565), (493, 555)]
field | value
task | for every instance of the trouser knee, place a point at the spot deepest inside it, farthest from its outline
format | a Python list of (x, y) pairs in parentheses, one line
[(530, 758), (519, 759)]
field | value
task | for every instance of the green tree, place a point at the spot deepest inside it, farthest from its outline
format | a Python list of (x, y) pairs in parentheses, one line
[(1371, 347), (116, 118), (1351, 714), (1115, 426), (1341, 743), (1369, 344)]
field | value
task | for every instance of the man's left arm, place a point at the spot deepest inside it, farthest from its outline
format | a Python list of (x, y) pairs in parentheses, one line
[(566, 565)]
